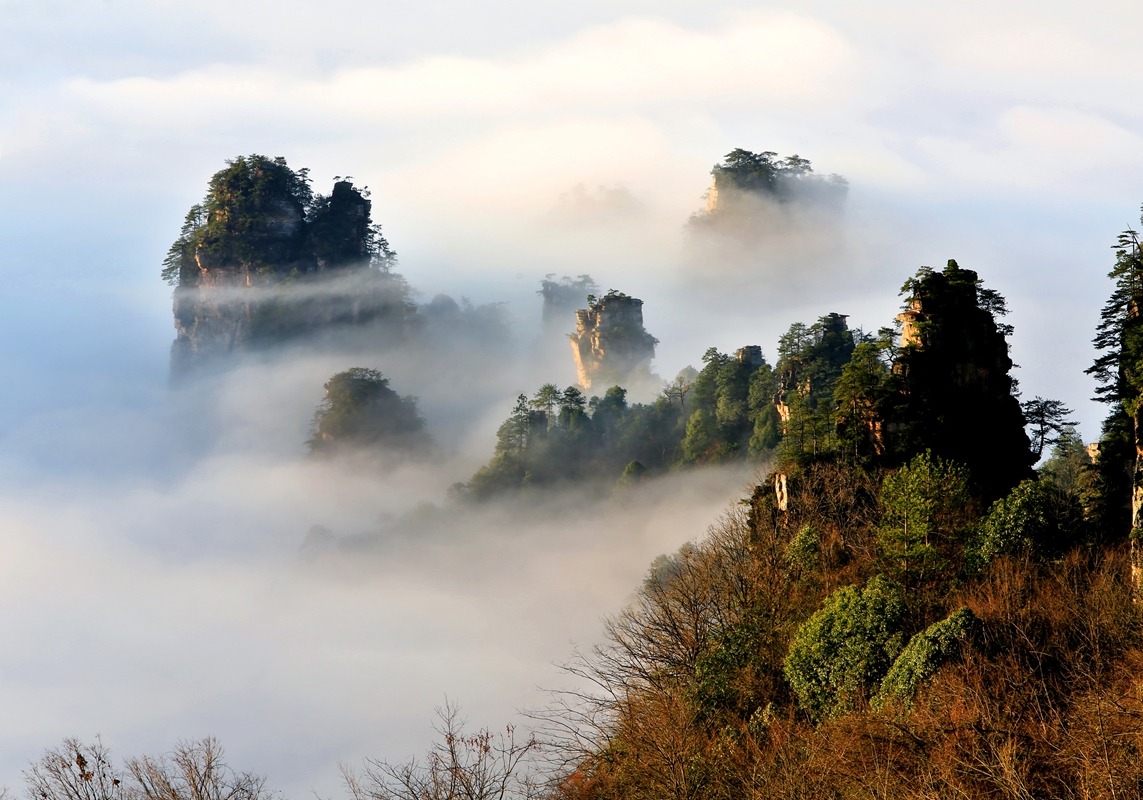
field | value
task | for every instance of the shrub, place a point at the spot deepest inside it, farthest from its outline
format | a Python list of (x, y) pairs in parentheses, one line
[(633, 475), (922, 656), (845, 648), (360, 409), (802, 551), (1036, 518)]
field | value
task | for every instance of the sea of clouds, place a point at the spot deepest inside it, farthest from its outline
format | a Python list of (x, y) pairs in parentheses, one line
[(155, 584)]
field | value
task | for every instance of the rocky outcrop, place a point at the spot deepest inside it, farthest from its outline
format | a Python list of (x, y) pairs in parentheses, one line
[(750, 355), (955, 393), (262, 260), (610, 346)]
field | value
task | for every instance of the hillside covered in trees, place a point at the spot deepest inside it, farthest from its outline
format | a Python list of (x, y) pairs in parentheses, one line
[(938, 379), (902, 608)]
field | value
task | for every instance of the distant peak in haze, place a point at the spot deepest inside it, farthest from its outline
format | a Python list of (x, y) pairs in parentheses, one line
[(743, 174)]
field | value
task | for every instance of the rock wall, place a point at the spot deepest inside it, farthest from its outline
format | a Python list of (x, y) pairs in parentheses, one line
[(213, 315), (229, 311)]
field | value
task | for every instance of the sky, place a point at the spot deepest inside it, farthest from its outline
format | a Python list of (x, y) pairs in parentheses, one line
[(153, 587)]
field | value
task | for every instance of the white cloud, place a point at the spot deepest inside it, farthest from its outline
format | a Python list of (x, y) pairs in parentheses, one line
[(787, 60), (1039, 148)]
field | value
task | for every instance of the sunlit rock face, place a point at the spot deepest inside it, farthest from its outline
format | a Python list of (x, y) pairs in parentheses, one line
[(610, 346), (216, 311)]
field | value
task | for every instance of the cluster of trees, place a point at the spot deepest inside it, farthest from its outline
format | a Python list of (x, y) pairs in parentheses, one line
[(563, 296), (562, 436), (743, 178), (939, 379), (910, 611), (361, 411), (265, 216)]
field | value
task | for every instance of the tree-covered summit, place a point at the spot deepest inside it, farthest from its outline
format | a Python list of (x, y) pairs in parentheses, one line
[(743, 178), (262, 216), (360, 410), (264, 259)]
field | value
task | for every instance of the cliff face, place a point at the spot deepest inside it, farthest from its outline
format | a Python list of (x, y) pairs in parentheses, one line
[(610, 345), (262, 260), (214, 304)]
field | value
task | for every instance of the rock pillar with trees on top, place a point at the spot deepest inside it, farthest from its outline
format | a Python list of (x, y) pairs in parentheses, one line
[(610, 346), (263, 259)]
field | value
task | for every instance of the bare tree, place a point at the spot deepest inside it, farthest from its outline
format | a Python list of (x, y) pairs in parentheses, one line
[(481, 766), (678, 389), (75, 771), (633, 686), (194, 771)]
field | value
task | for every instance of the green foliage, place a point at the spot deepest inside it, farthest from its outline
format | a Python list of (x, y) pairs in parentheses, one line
[(782, 179), (725, 412), (546, 400), (261, 215), (1046, 419), (864, 383), (341, 232), (727, 675), (841, 653), (562, 435), (1036, 518), (804, 549), (179, 266), (923, 656), (255, 212), (925, 505), (737, 401), (361, 410), (810, 362), (1119, 371), (633, 475), (767, 433), (703, 444), (954, 394), (1069, 466)]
